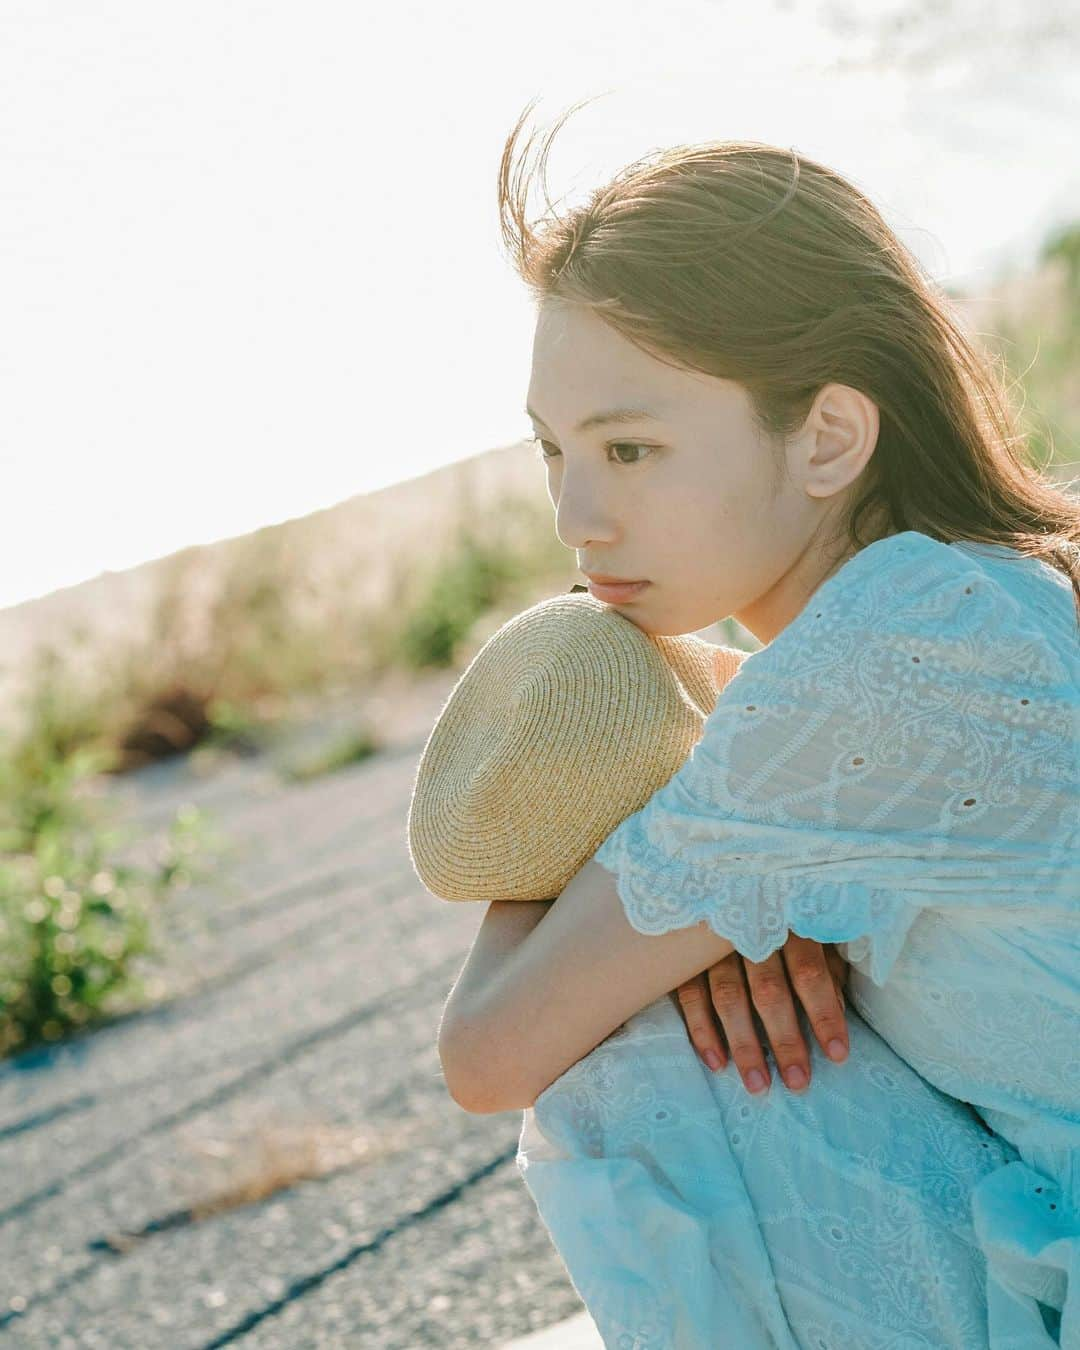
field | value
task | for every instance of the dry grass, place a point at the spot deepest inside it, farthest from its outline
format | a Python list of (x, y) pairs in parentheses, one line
[(272, 1156), (346, 570), (264, 1159)]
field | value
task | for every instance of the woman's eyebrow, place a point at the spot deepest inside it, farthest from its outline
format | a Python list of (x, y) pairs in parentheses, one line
[(610, 415)]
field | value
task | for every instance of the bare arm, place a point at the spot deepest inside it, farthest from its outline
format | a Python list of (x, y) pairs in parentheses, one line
[(505, 925), (558, 991)]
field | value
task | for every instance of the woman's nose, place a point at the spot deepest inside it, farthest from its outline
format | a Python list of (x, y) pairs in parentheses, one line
[(579, 525)]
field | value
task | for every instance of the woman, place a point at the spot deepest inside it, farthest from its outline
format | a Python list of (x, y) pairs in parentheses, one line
[(814, 448)]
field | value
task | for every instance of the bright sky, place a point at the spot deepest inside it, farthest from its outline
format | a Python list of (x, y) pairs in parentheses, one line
[(250, 264)]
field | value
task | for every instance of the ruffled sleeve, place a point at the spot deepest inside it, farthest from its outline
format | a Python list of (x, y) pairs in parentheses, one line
[(907, 741)]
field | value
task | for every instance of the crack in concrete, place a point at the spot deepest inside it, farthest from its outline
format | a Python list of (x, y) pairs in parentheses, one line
[(104, 1250), (312, 1281)]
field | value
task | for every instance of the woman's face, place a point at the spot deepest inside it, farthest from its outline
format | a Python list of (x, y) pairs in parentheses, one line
[(691, 499)]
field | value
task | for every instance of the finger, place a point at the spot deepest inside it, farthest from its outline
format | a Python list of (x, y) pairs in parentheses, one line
[(837, 965), (697, 1013), (732, 1003), (776, 1007), (813, 983), (839, 970)]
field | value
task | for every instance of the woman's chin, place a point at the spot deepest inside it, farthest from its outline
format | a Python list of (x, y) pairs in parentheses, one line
[(661, 626)]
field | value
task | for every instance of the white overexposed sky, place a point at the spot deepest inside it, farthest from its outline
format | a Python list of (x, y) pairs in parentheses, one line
[(249, 254)]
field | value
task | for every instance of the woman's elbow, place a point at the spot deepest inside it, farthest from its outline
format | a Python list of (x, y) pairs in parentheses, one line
[(473, 1072)]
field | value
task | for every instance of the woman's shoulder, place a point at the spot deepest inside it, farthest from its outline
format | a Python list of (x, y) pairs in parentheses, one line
[(909, 566), (914, 645), (1043, 594), (960, 610)]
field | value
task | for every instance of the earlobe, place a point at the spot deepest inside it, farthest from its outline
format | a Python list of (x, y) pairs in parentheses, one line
[(832, 463)]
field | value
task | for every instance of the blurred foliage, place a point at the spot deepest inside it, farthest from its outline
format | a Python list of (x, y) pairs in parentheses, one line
[(1039, 343), (456, 593), (222, 659), (78, 929), (350, 749)]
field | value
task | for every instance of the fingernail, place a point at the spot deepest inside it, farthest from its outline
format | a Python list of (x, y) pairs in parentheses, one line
[(837, 1049), (755, 1080), (796, 1077), (712, 1059)]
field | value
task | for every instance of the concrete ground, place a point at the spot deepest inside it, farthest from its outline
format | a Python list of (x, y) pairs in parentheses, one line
[(294, 1055), (576, 1333)]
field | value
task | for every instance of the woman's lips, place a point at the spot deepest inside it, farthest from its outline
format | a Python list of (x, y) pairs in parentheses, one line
[(616, 595)]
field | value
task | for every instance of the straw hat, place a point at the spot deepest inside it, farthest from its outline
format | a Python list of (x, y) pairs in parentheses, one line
[(566, 721)]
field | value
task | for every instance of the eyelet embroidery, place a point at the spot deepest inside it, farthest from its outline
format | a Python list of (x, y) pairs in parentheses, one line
[(593, 1112)]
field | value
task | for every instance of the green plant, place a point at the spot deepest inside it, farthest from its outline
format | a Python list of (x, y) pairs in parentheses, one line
[(74, 922), (60, 714), (235, 726), (457, 593), (358, 745)]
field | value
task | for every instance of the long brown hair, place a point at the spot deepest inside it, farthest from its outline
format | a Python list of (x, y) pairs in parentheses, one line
[(753, 263)]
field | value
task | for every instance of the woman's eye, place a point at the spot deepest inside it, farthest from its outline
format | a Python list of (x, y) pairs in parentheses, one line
[(541, 452), (630, 445)]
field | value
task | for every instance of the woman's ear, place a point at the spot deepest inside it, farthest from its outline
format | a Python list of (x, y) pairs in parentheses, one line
[(726, 663)]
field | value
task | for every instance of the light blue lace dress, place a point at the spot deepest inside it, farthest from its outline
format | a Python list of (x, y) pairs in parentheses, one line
[(898, 772)]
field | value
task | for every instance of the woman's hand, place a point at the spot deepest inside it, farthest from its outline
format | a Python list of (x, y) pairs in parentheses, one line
[(818, 974)]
